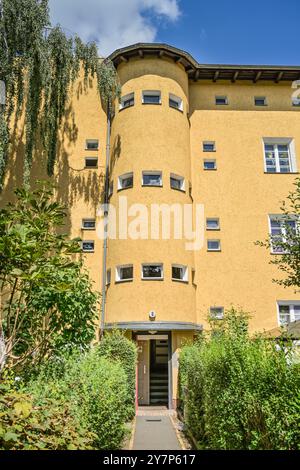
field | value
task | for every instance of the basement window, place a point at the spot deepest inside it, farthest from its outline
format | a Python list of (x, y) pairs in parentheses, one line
[(88, 224), (151, 97), (127, 101), (125, 181), (221, 100), (88, 246), (209, 164), (213, 245), (152, 178), (177, 182), (124, 273), (179, 273), (260, 101), (212, 224), (92, 144), (175, 102), (91, 162), (209, 146), (152, 271), (216, 313)]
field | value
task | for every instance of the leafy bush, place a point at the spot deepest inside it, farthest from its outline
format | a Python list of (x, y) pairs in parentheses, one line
[(116, 347), (240, 392)]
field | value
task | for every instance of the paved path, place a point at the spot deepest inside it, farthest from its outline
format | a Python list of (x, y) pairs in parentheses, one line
[(155, 431)]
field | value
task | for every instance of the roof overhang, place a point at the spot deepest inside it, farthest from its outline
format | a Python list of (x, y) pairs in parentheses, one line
[(212, 72), (154, 325)]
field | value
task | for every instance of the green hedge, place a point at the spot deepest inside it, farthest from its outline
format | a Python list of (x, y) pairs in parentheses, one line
[(240, 393)]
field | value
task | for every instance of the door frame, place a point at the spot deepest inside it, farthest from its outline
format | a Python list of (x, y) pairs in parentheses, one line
[(148, 336)]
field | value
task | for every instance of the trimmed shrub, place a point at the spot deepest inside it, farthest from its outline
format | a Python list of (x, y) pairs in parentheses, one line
[(240, 392), (117, 348)]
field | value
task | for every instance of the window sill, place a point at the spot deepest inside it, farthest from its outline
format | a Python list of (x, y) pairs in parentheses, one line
[(152, 186), (88, 228), (177, 189), (126, 107), (124, 189), (88, 251), (182, 281), (90, 168), (214, 251), (152, 278), (177, 109), (283, 173), (210, 169), (120, 281), (213, 229), (91, 150), (155, 104)]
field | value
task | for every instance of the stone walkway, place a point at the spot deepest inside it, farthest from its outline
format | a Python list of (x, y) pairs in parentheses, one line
[(155, 430)]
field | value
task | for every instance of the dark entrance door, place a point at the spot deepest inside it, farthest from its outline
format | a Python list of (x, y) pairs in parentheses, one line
[(159, 381)]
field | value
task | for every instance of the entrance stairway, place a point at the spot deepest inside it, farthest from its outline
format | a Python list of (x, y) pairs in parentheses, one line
[(159, 387)]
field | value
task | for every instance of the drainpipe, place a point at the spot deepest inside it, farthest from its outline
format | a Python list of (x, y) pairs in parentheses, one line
[(106, 189)]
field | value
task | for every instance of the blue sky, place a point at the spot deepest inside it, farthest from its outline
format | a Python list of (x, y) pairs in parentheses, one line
[(216, 31)]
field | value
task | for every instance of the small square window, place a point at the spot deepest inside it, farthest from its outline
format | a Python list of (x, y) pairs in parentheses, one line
[(212, 224), (179, 273), (88, 224), (209, 164), (213, 245), (152, 178), (221, 100), (91, 162), (125, 181), (209, 147), (124, 273), (177, 182), (88, 246), (175, 102), (152, 271), (151, 97), (260, 101), (92, 144), (108, 277), (216, 313), (127, 101)]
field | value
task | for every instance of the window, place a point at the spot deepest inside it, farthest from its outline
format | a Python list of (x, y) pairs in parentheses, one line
[(209, 164), (209, 147), (91, 162), (175, 102), (280, 227), (177, 182), (260, 101), (152, 271), (152, 178), (179, 273), (151, 97), (212, 224), (88, 246), (110, 189), (288, 312), (92, 144), (296, 101), (221, 100), (124, 273), (88, 224), (108, 277), (216, 313), (279, 156), (213, 245), (125, 181), (127, 101)]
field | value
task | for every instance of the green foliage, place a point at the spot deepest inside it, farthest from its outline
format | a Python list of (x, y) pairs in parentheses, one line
[(95, 390), (287, 248), (240, 392), (48, 301), (116, 347), (39, 64)]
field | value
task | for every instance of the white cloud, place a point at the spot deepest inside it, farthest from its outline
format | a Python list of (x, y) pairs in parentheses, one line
[(113, 23)]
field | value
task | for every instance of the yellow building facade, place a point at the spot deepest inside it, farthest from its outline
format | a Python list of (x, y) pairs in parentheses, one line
[(222, 138)]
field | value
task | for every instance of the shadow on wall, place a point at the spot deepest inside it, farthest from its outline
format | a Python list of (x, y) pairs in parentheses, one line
[(115, 153)]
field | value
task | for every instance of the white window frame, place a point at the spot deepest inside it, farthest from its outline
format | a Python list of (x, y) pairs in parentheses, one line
[(121, 178), (118, 272), (291, 304), (108, 277), (209, 142), (212, 228), (177, 100), (221, 97), (181, 181), (91, 219), (290, 142), (93, 141), (185, 277), (95, 159), (88, 241), (152, 278), (151, 93), (261, 98), (280, 218), (219, 316), (210, 160), (214, 240), (146, 173), (124, 98)]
